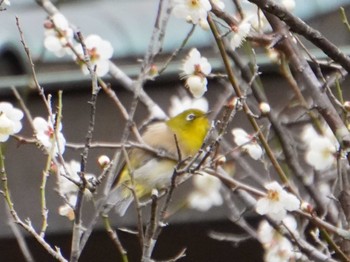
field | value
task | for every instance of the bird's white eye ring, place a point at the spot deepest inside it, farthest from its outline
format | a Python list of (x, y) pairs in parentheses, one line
[(190, 117)]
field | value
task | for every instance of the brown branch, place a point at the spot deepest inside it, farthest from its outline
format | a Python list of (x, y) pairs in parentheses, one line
[(229, 19), (300, 27), (151, 230), (305, 77)]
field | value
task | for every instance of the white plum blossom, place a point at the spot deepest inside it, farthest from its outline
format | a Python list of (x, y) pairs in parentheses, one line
[(320, 149), (308, 133), (256, 16), (157, 113), (267, 235), (10, 120), (65, 186), (68, 189), (203, 22), (240, 33), (6, 2), (206, 192), (248, 143), (100, 51), (321, 153), (45, 134), (277, 202), (197, 85), (195, 69), (277, 247), (58, 35), (191, 10), (178, 105), (281, 252), (195, 64)]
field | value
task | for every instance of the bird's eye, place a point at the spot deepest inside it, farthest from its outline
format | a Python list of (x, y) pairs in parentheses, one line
[(190, 117)]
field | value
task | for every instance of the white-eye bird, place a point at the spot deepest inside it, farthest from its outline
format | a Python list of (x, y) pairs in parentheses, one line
[(153, 172)]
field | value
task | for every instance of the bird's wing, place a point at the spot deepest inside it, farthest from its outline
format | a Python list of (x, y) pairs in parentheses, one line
[(160, 137)]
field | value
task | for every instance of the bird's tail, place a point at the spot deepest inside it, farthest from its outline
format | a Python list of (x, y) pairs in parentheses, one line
[(120, 199)]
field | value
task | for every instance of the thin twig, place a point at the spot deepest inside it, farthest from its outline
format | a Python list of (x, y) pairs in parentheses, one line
[(32, 66), (246, 109), (19, 237), (114, 237), (23, 106), (27, 226), (77, 229), (137, 204), (344, 18), (178, 50)]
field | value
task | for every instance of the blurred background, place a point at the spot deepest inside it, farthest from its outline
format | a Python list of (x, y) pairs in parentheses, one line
[(128, 26)]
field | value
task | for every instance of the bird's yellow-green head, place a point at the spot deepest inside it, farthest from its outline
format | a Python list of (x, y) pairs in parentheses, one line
[(190, 128)]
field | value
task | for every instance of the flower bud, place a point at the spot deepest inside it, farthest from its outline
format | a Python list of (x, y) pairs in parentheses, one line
[(48, 24), (189, 19), (346, 106), (307, 207), (103, 161), (53, 167), (274, 55), (264, 108), (155, 193), (153, 71), (204, 24), (234, 103), (66, 211), (221, 160)]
